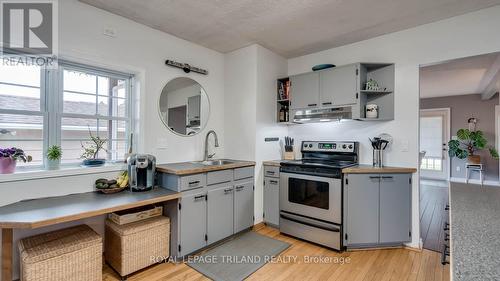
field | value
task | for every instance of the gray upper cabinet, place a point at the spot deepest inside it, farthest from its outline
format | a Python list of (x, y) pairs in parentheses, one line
[(220, 219), (395, 208), (193, 214), (271, 200), (362, 204), (339, 86), (304, 90), (243, 205)]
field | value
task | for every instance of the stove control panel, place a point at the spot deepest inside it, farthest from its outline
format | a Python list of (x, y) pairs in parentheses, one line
[(329, 146)]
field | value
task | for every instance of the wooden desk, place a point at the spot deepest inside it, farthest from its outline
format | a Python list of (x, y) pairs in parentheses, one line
[(54, 210)]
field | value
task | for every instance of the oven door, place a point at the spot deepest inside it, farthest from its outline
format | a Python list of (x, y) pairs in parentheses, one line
[(311, 196)]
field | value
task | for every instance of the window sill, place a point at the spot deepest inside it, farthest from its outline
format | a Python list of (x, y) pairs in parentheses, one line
[(63, 172)]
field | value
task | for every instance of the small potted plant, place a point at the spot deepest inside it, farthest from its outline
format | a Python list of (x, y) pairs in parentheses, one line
[(54, 154), (9, 158), (467, 144), (91, 151)]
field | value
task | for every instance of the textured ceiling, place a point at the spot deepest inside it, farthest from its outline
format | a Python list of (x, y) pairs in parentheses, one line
[(288, 27), (458, 77)]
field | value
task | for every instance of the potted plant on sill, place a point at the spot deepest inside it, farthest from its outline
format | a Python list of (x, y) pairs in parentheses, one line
[(467, 144), (91, 151), (54, 154), (9, 158)]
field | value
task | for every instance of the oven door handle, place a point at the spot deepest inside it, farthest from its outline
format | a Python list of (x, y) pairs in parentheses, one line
[(332, 229)]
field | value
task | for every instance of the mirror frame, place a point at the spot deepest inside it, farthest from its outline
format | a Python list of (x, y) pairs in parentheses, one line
[(163, 121)]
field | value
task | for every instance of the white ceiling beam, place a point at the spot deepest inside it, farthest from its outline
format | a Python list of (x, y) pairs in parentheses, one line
[(490, 83)]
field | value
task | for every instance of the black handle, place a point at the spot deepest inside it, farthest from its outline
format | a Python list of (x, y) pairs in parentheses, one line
[(327, 103), (199, 197), (239, 187), (273, 182), (194, 182), (228, 190), (312, 104), (375, 177), (270, 172), (387, 177)]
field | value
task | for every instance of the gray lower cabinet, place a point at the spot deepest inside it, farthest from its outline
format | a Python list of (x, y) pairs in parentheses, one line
[(243, 204), (362, 193), (220, 221), (395, 208), (193, 222), (271, 201), (377, 209)]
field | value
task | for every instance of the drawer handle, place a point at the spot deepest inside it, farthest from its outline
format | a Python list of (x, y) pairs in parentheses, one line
[(327, 103), (312, 104), (239, 187), (228, 190), (194, 182), (196, 198), (270, 173), (387, 177), (375, 177), (273, 182)]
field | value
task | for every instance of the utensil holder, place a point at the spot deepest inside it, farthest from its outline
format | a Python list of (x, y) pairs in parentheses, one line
[(378, 158)]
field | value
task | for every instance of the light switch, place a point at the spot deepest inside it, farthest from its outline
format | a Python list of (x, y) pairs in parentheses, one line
[(109, 31)]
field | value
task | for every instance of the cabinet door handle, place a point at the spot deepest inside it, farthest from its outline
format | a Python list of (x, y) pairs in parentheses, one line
[(239, 187), (194, 182), (273, 182), (228, 190), (387, 177), (196, 198), (312, 104), (327, 103), (375, 177)]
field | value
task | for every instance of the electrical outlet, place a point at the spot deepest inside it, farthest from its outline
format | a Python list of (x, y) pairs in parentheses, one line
[(109, 31), (405, 145), (161, 143)]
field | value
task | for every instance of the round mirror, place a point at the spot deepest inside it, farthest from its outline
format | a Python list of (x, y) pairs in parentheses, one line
[(184, 106)]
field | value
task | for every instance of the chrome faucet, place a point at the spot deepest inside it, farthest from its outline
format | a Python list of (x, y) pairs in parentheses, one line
[(209, 156)]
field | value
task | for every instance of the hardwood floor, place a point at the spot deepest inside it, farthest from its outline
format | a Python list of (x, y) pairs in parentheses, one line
[(369, 265), (433, 199)]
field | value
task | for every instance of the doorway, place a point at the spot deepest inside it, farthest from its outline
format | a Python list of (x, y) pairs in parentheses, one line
[(434, 138)]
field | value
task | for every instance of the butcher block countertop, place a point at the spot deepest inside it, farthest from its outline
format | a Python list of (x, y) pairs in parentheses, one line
[(368, 169), (188, 168)]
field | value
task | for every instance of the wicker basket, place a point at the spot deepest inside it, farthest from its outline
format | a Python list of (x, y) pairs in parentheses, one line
[(134, 246), (70, 254)]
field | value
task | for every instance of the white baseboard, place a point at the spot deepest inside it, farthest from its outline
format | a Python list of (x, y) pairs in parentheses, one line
[(476, 181)]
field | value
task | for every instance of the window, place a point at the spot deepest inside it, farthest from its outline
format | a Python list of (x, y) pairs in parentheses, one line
[(77, 99)]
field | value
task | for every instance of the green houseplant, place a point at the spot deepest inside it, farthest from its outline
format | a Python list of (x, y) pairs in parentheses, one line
[(54, 154), (467, 144), (91, 151)]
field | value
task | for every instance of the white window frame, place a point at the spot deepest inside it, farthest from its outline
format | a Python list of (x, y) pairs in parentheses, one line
[(51, 106)]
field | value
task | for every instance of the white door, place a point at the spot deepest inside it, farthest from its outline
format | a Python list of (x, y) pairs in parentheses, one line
[(434, 137)]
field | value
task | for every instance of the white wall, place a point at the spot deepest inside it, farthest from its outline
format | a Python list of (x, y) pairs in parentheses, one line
[(462, 36), (140, 50), (250, 110)]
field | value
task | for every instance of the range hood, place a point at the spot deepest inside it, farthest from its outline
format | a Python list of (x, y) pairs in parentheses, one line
[(322, 114)]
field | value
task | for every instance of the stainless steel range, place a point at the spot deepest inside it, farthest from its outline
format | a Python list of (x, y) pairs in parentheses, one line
[(311, 191)]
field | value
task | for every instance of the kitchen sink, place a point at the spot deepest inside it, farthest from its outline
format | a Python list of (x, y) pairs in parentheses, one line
[(216, 162)]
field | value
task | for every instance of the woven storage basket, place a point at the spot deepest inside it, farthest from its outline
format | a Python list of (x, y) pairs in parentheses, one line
[(134, 246), (70, 254)]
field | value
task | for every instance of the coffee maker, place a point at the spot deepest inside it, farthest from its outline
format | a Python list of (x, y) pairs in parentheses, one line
[(141, 171)]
